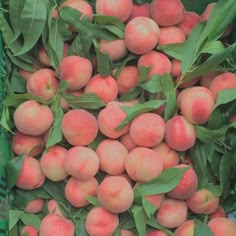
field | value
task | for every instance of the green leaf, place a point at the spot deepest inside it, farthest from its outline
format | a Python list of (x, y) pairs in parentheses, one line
[(225, 96), (18, 83), (80, 229), (197, 6), (143, 73), (153, 85), (30, 219), (85, 101), (131, 94), (213, 47), (103, 63), (176, 50), (148, 207), (93, 200), (170, 105), (5, 119), (214, 189), (138, 109), (14, 167), (14, 216), (32, 22), (201, 229), (76, 47)]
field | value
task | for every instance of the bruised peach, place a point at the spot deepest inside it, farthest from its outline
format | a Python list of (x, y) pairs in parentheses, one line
[(30, 145), (172, 213), (115, 194), (52, 163), (186, 229), (187, 185), (167, 13), (79, 127), (53, 224), (143, 164), (179, 133), (29, 231), (77, 191), (140, 10), (147, 129), (26, 118), (34, 206), (81, 162), (121, 9), (141, 35)]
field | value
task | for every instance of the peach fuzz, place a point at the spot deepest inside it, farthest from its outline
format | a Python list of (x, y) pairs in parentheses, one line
[(127, 141), (167, 13), (81, 163), (219, 212), (43, 83), (53, 207), (127, 79), (30, 145), (34, 206), (77, 191), (190, 20), (187, 186), (115, 194), (112, 155), (29, 231), (125, 232), (105, 88), (172, 213), (207, 78), (31, 176), (84, 7), (109, 119), (203, 202), (26, 118), (169, 156), (141, 35), (179, 133), (171, 35), (76, 71), (156, 233), (223, 81), (222, 226), (53, 224), (140, 10), (79, 127), (159, 62), (196, 104), (147, 129), (175, 68), (99, 221), (116, 48), (186, 229), (143, 164), (120, 9), (52, 163)]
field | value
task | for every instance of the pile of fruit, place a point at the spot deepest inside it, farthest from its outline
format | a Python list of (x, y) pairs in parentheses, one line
[(121, 117)]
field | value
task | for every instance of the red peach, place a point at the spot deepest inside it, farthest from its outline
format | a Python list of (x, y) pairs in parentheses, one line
[(156, 233), (186, 229), (29, 231), (127, 141), (34, 206), (125, 232), (175, 68), (219, 212), (53, 207), (140, 10), (207, 78)]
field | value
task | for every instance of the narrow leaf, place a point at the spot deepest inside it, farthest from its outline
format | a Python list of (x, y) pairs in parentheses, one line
[(201, 229)]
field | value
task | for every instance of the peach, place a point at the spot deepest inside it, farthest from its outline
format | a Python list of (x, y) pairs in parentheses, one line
[(156, 233), (179, 134), (34, 206), (76, 71), (31, 176), (26, 118), (53, 224), (127, 141), (156, 199), (207, 78), (159, 63), (169, 156), (29, 231), (53, 207), (116, 48), (147, 129), (223, 81), (79, 127), (175, 68), (120, 9), (52, 163), (30, 145), (222, 226), (26, 74), (99, 221), (43, 83), (143, 164), (172, 213), (81, 162), (167, 13), (77, 191), (190, 20), (105, 88), (203, 202), (109, 119), (219, 212), (111, 154), (171, 35), (196, 104), (124, 175), (186, 229), (127, 79), (141, 35), (125, 232), (140, 10), (187, 185), (207, 11), (115, 194)]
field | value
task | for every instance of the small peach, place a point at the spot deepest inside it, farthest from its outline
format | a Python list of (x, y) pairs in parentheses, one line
[(34, 206)]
